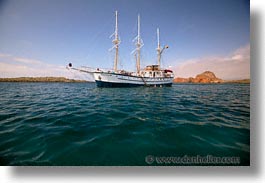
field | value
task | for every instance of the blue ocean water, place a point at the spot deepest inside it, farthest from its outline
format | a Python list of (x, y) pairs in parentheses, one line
[(80, 124)]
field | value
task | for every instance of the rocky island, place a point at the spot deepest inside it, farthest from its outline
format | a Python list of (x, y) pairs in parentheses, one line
[(41, 79), (207, 77)]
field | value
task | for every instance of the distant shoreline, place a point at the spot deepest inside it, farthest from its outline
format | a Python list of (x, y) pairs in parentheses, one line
[(42, 79), (66, 80), (243, 81)]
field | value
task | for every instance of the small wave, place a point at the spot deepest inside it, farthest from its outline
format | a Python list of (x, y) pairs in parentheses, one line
[(80, 124)]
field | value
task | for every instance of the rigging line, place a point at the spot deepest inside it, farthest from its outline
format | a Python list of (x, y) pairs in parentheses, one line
[(144, 81)]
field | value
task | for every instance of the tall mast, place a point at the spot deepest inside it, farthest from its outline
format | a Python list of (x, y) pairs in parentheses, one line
[(116, 43), (158, 49), (138, 47)]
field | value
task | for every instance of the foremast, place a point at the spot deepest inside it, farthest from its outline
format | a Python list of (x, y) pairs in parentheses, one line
[(116, 41)]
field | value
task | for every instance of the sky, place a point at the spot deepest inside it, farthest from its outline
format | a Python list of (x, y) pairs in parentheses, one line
[(39, 38)]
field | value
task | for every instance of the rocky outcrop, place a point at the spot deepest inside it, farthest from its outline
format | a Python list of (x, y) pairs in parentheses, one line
[(183, 80), (205, 77)]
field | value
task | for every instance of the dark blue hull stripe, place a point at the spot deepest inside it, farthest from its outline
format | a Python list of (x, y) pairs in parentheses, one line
[(111, 84), (154, 80)]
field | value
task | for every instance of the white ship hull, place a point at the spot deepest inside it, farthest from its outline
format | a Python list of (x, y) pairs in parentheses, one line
[(104, 79)]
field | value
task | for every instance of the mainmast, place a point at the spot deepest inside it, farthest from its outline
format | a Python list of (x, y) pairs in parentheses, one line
[(116, 43)]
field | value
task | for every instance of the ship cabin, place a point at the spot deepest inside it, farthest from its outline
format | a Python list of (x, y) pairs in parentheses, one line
[(154, 71)]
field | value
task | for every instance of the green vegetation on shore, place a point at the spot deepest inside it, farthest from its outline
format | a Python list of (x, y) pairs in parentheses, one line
[(41, 79)]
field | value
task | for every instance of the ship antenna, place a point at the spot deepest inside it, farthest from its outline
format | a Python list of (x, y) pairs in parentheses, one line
[(116, 41)]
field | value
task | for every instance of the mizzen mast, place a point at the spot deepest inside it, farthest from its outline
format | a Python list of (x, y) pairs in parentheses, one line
[(158, 50)]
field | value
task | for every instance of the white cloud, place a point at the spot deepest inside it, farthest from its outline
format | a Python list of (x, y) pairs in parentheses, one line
[(4, 55), (11, 66), (232, 66), (15, 70), (27, 61)]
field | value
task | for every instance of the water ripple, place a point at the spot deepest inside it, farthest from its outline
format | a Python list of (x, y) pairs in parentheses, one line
[(80, 124)]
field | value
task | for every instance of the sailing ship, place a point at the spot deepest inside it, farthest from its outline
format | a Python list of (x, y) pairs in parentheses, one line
[(151, 75)]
